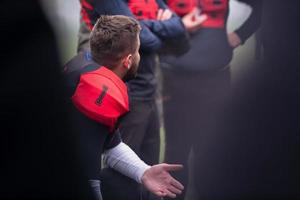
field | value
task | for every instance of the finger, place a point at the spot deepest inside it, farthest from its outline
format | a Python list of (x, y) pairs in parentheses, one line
[(198, 20), (177, 184), (167, 14), (174, 190), (160, 194), (170, 194), (191, 14), (201, 18), (159, 14), (194, 11), (172, 167)]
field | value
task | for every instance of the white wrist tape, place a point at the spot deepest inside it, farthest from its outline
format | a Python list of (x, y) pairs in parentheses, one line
[(123, 159)]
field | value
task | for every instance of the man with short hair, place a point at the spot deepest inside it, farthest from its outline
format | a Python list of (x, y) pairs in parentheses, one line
[(162, 30), (99, 97)]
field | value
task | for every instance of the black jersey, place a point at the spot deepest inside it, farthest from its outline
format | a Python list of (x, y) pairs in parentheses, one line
[(94, 137)]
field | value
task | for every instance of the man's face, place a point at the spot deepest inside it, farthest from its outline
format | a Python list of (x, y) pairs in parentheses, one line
[(132, 72)]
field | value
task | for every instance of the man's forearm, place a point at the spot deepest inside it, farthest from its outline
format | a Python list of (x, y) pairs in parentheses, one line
[(123, 159)]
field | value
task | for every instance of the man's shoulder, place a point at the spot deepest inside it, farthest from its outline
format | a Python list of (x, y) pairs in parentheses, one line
[(75, 67), (82, 62)]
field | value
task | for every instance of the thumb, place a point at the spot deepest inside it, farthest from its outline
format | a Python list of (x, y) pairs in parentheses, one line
[(192, 13), (172, 167)]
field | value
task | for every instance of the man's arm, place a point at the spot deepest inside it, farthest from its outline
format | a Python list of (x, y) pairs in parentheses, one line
[(156, 179), (165, 29), (250, 25)]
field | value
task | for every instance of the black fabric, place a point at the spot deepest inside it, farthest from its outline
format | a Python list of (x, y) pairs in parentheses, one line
[(190, 102), (209, 50), (113, 140), (117, 186), (79, 64), (143, 86), (140, 130), (123, 187), (254, 20), (93, 139), (82, 62), (171, 46)]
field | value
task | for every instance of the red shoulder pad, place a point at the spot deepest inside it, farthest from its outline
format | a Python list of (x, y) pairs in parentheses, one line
[(102, 96)]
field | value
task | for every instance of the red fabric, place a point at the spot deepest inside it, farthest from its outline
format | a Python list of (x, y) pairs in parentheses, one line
[(143, 9), (86, 19), (85, 5), (102, 96), (216, 11), (182, 7)]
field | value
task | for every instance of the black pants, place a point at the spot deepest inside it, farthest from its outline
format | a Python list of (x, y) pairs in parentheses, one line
[(191, 100), (140, 130)]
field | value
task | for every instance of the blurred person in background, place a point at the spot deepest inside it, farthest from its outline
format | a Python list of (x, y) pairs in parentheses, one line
[(196, 83), (252, 151), (160, 29), (99, 98)]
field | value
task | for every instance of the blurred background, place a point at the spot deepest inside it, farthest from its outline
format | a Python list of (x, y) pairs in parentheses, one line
[(65, 14), (39, 153)]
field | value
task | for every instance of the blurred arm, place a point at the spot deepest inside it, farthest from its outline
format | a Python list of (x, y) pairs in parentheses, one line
[(253, 22)]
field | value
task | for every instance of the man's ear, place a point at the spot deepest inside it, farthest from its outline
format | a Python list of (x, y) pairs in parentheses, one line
[(127, 61)]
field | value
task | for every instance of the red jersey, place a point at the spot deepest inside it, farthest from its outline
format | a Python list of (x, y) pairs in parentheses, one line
[(143, 9), (216, 10)]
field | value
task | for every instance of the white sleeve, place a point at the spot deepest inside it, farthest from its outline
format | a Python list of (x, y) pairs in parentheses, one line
[(123, 159)]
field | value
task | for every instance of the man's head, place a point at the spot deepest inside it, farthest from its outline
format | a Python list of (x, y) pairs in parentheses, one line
[(115, 44)]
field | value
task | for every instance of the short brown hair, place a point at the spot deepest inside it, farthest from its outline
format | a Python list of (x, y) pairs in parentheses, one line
[(113, 37)]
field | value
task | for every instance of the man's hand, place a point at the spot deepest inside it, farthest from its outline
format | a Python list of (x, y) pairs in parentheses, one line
[(158, 180), (164, 14), (234, 40), (192, 21)]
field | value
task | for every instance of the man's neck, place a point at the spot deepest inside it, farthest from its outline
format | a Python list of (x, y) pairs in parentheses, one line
[(118, 72), (117, 69)]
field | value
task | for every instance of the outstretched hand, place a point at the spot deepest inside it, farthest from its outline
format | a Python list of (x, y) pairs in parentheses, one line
[(158, 180)]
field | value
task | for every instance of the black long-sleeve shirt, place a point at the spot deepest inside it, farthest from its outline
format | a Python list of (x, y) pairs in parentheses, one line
[(93, 137)]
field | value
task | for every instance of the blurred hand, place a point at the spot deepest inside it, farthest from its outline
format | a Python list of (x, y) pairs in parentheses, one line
[(158, 180), (234, 40), (192, 21), (164, 14)]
